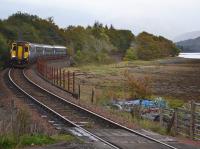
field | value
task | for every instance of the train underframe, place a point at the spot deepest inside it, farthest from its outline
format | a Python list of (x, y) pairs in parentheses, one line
[(15, 62)]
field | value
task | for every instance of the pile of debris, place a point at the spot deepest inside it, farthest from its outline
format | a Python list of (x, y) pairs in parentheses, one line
[(149, 108)]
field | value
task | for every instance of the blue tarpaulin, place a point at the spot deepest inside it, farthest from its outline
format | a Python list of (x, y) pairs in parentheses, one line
[(156, 103)]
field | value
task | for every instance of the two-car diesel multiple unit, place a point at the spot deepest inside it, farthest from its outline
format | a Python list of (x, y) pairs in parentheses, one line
[(25, 52)]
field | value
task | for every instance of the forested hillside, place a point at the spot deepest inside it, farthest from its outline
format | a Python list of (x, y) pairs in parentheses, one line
[(95, 43), (148, 46)]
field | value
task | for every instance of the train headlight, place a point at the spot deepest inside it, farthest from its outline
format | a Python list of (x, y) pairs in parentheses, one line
[(13, 56)]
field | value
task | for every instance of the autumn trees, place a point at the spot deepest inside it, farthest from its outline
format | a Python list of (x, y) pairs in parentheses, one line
[(95, 43), (148, 46)]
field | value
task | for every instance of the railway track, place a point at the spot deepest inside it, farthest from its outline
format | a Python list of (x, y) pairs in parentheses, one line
[(90, 123)]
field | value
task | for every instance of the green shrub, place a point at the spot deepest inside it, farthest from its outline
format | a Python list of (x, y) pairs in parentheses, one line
[(138, 87), (131, 54), (38, 139), (7, 142), (22, 123), (153, 126), (4, 52), (175, 103), (10, 142), (63, 137)]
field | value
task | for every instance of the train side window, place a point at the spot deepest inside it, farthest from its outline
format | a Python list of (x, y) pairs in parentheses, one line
[(14, 48), (26, 49)]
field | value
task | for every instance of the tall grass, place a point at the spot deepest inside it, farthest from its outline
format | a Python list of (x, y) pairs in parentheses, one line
[(19, 131)]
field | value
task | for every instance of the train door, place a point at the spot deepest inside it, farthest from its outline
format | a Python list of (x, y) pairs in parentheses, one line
[(20, 52)]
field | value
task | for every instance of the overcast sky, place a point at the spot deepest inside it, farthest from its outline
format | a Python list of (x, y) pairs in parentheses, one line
[(162, 17)]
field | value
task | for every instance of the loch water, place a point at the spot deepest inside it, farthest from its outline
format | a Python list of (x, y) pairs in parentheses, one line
[(190, 55)]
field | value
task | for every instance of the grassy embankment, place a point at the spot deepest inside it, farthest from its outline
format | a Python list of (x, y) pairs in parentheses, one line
[(18, 130)]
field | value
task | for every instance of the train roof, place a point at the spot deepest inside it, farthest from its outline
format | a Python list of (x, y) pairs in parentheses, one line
[(47, 46), (42, 45)]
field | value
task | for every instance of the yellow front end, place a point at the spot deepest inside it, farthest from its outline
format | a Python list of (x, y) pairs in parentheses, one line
[(20, 53)]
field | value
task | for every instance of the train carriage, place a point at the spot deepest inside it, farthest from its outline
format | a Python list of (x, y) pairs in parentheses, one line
[(23, 53)]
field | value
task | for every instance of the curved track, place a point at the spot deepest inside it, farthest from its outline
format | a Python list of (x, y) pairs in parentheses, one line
[(71, 113)]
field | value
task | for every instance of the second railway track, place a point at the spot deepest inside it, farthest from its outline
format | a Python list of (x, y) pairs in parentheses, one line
[(104, 130)]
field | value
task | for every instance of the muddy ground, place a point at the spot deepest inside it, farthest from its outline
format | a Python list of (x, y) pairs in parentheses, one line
[(179, 78)]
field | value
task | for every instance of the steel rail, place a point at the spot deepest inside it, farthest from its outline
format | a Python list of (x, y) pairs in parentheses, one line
[(104, 118), (60, 116)]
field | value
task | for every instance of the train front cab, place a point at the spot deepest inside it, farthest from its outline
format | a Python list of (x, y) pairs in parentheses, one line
[(20, 53)]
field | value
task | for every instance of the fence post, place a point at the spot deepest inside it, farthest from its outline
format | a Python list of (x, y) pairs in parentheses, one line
[(49, 73), (73, 82), (192, 118), (57, 77), (93, 92), (161, 116), (54, 69), (39, 67), (171, 123), (64, 79), (79, 91), (44, 67), (53, 75), (60, 77), (39, 63), (45, 70), (68, 75)]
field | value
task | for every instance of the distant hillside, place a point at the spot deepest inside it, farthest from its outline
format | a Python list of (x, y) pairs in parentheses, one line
[(191, 45), (187, 36)]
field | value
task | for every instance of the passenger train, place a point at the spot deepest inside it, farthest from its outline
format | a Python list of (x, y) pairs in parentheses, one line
[(23, 53)]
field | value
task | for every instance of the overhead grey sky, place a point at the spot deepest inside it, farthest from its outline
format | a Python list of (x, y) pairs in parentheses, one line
[(168, 18)]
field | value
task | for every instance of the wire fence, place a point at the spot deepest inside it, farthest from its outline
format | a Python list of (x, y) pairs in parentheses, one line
[(184, 121), (58, 76), (66, 80), (86, 93)]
